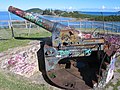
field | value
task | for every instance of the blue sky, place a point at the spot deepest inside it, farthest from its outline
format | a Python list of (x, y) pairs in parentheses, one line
[(82, 5)]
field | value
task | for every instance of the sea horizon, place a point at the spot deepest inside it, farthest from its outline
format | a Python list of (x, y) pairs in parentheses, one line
[(5, 16), (99, 13), (107, 13)]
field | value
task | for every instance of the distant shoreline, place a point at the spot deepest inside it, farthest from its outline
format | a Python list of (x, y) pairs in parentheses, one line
[(4, 15), (92, 13), (100, 13)]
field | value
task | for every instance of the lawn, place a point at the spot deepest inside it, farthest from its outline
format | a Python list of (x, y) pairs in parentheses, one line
[(7, 42), (21, 38), (12, 82)]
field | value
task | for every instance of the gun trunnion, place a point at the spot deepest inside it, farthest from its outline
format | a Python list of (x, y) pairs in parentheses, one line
[(75, 60)]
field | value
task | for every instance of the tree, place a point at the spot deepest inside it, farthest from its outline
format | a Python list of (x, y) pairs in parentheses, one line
[(35, 10)]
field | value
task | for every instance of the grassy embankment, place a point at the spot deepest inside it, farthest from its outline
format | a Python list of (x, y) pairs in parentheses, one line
[(6, 41), (12, 82), (9, 81)]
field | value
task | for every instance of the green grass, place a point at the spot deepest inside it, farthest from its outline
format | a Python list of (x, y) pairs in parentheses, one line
[(10, 82), (116, 85), (33, 32), (11, 43), (118, 70), (27, 34)]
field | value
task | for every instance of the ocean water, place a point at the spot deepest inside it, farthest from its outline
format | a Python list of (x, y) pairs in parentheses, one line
[(101, 13), (4, 15)]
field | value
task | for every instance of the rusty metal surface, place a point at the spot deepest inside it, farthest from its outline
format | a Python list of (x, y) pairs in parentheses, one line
[(80, 75), (61, 35), (69, 79), (67, 42)]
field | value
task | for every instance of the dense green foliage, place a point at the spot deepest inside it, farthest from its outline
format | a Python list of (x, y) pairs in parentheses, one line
[(75, 14), (58, 12), (35, 10), (108, 18), (48, 12)]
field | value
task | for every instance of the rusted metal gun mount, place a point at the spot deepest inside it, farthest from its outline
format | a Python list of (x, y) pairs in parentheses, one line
[(68, 43)]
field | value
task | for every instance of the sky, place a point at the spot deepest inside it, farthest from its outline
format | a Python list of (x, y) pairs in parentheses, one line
[(81, 5)]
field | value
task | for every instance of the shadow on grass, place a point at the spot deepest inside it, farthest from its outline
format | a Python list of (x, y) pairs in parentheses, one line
[(31, 38), (47, 40), (3, 39)]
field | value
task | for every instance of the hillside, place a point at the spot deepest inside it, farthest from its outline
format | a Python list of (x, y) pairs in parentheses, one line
[(74, 14), (35, 10)]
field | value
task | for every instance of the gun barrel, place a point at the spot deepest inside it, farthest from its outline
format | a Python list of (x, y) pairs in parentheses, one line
[(42, 22)]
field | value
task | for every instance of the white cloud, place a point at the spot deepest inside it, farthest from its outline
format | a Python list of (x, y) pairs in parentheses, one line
[(116, 8), (70, 7), (103, 7)]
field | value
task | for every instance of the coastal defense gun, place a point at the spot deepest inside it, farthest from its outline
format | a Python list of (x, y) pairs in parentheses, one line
[(74, 60)]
